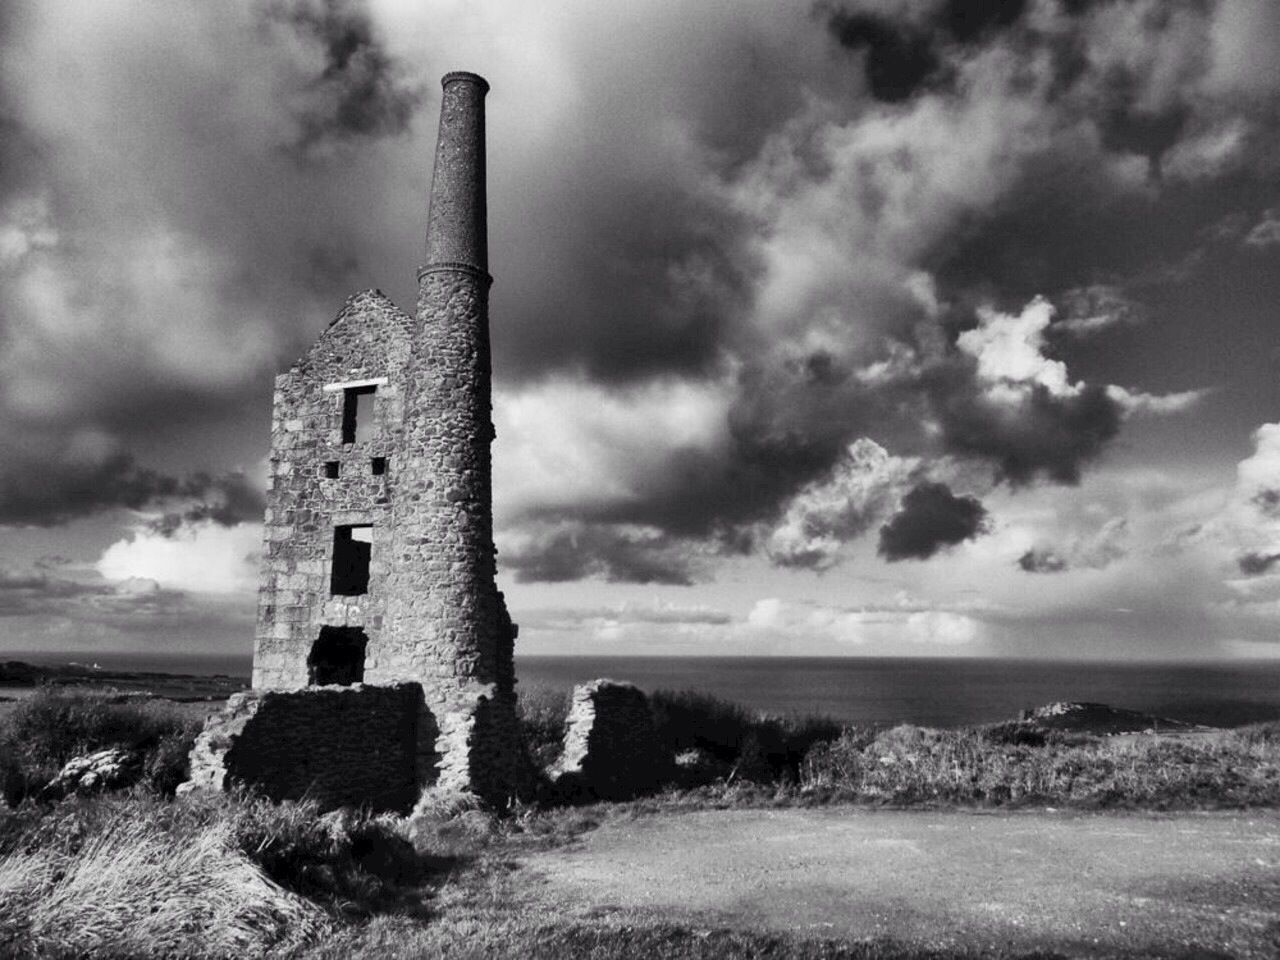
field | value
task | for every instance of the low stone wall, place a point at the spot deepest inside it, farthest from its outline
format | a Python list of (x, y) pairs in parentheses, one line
[(342, 746), (611, 751)]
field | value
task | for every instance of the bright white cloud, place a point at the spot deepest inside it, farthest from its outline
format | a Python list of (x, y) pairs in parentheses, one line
[(569, 444), (1010, 352), (858, 627), (201, 558)]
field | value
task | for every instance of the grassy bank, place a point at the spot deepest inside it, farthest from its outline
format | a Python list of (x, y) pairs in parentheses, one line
[(135, 873)]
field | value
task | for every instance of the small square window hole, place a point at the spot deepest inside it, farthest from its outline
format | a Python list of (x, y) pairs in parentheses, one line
[(378, 466), (332, 469)]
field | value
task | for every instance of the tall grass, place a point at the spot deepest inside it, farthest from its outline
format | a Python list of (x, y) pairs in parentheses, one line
[(138, 875), (138, 890)]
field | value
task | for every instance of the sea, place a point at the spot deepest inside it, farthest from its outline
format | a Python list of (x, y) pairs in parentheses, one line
[(873, 691)]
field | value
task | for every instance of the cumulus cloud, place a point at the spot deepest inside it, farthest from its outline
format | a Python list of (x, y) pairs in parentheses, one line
[(622, 553), (1094, 551), (53, 600), (863, 486), (860, 626), (160, 250), (1089, 310), (930, 519), (1266, 232), (1029, 418), (360, 90), (228, 500), (204, 557)]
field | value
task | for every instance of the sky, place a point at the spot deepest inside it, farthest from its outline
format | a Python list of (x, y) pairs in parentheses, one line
[(850, 327)]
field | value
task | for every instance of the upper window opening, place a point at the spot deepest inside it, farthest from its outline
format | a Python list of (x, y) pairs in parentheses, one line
[(352, 546), (357, 414)]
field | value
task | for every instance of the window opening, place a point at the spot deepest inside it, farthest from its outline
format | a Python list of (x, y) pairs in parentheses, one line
[(379, 466), (357, 414), (332, 469), (337, 656), (352, 546)]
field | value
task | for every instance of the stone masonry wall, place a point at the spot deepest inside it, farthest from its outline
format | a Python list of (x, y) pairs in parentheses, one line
[(611, 748), (342, 746), (369, 339)]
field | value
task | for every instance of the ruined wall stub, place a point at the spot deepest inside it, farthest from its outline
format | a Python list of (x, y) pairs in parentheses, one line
[(340, 746), (407, 489), (611, 749)]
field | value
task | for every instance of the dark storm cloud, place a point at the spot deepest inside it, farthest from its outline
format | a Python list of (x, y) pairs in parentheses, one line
[(227, 500), (905, 54), (969, 20), (618, 556), (931, 518), (899, 57), (1268, 502), (651, 282), (1256, 564), (1042, 560), (50, 491), (47, 493), (1045, 436), (361, 90)]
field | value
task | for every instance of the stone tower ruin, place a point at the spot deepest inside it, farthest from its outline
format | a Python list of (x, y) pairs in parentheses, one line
[(379, 562)]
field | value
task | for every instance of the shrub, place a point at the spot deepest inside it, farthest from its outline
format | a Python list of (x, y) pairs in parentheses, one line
[(46, 730), (1258, 733), (543, 713), (913, 765), (757, 748), (687, 720)]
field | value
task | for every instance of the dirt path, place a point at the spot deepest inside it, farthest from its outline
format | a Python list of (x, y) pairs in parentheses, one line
[(1189, 885)]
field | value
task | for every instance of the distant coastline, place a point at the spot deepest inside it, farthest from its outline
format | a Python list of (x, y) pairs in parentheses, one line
[(865, 691), (180, 686)]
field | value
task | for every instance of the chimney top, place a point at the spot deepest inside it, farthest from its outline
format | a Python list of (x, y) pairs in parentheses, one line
[(464, 76)]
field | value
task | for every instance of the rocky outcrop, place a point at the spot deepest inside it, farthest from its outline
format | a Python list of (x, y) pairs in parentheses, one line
[(112, 769), (611, 750), (1098, 718)]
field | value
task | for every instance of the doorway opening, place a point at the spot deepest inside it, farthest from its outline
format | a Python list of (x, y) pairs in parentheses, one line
[(337, 656)]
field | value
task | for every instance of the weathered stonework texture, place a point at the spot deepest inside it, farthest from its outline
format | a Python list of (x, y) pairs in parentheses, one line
[(414, 481), (611, 749), (341, 746)]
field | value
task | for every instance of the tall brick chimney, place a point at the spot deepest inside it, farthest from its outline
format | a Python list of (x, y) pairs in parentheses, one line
[(457, 228), (443, 603)]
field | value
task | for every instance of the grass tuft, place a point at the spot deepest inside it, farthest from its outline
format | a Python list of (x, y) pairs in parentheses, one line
[(137, 889)]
